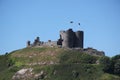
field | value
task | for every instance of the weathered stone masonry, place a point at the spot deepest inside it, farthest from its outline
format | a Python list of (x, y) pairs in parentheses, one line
[(68, 39), (71, 39)]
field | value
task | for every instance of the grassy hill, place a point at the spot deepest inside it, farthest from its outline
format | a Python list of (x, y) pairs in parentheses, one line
[(51, 63)]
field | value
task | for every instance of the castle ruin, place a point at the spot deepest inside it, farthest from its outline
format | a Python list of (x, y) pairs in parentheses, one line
[(71, 39), (68, 39)]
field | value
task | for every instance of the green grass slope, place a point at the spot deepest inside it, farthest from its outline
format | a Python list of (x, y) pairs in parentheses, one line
[(57, 64)]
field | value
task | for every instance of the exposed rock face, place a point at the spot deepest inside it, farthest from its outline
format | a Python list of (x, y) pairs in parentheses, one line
[(23, 74), (27, 74), (92, 51), (40, 75)]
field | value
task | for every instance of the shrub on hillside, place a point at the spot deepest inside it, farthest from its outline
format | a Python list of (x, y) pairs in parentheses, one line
[(105, 63), (117, 67), (89, 59), (116, 64), (110, 65)]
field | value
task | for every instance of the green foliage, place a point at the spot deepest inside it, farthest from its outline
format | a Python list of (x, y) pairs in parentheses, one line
[(115, 58), (73, 65), (11, 62), (3, 62), (107, 76), (7, 70), (117, 67), (77, 57), (105, 63), (18, 64), (89, 59), (116, 64), (14, 69), (111, 65), (75, 72)]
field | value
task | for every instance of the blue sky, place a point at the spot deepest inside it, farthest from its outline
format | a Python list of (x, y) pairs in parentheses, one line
[(22, 20)]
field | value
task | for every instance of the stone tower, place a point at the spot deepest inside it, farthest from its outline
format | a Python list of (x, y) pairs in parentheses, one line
[(71, 39), (28, 44), (36, 42), (79, 39), (67, 38)]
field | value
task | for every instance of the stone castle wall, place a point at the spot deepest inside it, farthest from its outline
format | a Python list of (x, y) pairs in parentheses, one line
[(68, 39), (51, 43), (41, 43), (79, 39), (72, 39)]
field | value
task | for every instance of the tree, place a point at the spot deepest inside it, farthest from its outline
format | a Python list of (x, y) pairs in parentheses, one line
[(117, 67), (115, 58), (116, 64), (105, 62)]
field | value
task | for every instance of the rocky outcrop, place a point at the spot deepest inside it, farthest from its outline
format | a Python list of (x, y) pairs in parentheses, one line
[(92, 51), (28, 74), (23, 74)]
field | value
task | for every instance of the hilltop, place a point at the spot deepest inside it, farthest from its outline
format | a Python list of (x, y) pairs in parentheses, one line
[(52, 63), (64, 59)]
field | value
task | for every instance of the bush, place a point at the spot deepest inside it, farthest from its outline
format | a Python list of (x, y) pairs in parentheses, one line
[(116, 64), (117, 67), (115, 58), (110, 65), (11, 62), (105, 62), (89, 59)]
